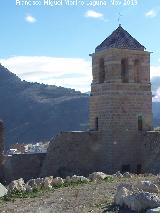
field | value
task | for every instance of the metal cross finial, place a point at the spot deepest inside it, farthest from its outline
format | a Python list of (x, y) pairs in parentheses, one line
[(119, 17)]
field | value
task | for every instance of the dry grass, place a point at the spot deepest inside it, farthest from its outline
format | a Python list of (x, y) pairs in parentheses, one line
[(95, 197)]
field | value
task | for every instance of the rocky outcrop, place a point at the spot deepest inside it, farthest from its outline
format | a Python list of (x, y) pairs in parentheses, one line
[(76, 179), (127, 175), (57, 181), (3, 190), (118, 174), (97, 176), (147, 186), (138, 197), (17, 185)]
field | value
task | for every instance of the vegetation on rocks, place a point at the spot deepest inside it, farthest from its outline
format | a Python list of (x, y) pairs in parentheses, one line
[(96, 196)]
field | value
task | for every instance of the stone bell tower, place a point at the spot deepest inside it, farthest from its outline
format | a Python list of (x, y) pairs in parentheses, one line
[(121, 99)]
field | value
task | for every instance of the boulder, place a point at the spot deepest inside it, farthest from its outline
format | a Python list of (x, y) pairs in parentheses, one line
[(35, 183), (129, 201), (68, 180), (48, 182), (120, 195), (3, 190), (118, 174), (129, 196), (32, 183), (125, 185), (156, 210), (76, 179), (127, 175), (39, 182), (147, 186), (97, 176), (17, 185), (57, 181), (141, 201), (28, 188)]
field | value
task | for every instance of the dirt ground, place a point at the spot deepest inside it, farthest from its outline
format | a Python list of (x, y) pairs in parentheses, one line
[(84, 198)]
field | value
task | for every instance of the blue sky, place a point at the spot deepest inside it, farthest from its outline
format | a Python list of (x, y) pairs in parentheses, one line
[(51, 44)]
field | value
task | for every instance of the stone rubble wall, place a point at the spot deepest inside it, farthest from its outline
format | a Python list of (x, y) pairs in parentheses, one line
[(82, 153), (24, 166), (150, 150), (79, 153)]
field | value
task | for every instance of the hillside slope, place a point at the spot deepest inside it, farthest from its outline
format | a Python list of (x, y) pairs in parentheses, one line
[(33, 112)]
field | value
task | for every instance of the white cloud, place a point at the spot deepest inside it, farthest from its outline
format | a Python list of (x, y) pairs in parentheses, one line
[(67, 72), (155, 72), (93, 14), (151, 13), (30, 19), (157, 96)]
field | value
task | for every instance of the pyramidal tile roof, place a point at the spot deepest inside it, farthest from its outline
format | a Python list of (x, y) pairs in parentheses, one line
[(120, 38)]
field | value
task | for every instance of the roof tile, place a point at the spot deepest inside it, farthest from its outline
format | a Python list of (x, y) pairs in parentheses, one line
[(120, 38)]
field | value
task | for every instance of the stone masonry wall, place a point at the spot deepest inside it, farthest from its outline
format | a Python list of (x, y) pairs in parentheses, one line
[(117, 104), (77, 153), (24, 166), (112, 61), (150, 151)]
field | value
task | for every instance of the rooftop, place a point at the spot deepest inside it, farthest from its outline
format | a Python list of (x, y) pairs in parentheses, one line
[(121, 39)]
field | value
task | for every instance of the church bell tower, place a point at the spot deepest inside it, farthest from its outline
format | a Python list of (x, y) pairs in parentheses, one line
[(121, 99)]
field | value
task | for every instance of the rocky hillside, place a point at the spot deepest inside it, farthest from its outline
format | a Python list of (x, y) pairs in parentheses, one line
[(33, 112)]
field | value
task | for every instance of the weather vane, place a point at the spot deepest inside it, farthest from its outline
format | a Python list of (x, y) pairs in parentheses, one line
[(119, 17)]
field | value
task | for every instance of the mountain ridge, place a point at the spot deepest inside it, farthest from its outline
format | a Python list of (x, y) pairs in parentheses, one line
[(37, 112), (32, 112)]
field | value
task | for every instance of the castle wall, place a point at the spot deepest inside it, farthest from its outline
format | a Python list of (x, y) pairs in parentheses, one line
[(150, 151), (120, 108), (24, 166), (77, 153)]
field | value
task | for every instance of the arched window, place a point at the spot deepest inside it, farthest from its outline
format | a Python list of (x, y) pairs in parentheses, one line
[(137, 78), (101, 71), (124, 70)]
